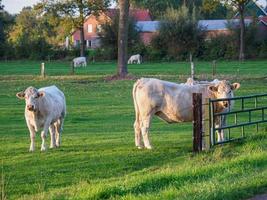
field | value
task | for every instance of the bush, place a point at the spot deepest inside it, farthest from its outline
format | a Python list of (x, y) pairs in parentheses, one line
[(179, 35)]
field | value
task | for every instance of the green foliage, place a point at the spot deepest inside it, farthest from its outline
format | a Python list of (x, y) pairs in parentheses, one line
[(109, 36), (213, 9), (28, 35), (158, 8), (179, 34), (6, 21), (220, 47)]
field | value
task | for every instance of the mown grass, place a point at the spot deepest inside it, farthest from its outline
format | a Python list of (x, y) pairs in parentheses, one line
[(98, 159)]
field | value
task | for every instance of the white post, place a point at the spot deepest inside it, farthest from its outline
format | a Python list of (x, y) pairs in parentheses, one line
[(67, 42), (43, 70)]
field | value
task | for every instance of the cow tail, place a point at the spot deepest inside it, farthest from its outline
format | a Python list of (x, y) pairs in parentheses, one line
[(135, 103)]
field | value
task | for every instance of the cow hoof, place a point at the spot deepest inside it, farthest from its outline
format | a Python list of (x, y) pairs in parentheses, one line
[(149, 147), (31, 150), (54, 146), (43, 149), (139, 147)]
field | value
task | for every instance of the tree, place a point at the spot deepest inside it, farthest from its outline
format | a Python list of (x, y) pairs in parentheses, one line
[(214, 10), (159, 7), (1, 6), (77, 11), (28, 35), (123, 38), (179, 34), (240, 6), (6, 21), (109, 34)]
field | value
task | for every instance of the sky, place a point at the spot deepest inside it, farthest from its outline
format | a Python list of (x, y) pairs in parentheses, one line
[(15, 6)]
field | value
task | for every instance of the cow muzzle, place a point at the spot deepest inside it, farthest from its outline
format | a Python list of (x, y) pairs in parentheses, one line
[(30, 107), (225, 104)]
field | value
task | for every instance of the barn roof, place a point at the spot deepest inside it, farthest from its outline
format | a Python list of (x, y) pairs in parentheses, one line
[(220, 24)]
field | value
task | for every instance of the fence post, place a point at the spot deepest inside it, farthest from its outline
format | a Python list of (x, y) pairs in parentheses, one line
[(206, 144), (213, 68), (43, 70), (197, 122)]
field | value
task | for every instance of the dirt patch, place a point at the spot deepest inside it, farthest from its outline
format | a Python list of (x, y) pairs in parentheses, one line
[(83, 82), (117, 77)]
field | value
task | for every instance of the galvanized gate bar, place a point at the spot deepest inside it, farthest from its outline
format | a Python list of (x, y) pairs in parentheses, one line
[(239, 111), (220, 117), (238, 98), (239, 125)]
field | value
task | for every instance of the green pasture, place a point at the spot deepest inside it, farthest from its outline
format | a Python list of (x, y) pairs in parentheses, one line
[(98, 159)]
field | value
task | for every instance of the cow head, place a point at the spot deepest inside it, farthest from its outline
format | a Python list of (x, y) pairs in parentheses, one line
[(223, 90), (31, 96)]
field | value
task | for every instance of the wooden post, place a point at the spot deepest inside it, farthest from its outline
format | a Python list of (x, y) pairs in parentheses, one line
[(72, 68), (197, 122), (213, 68), (206, 144), (43, 70)]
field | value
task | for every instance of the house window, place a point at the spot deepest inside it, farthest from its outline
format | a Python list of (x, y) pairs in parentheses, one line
[(90, 28), (99, 28), (88, 43), (77, 42)]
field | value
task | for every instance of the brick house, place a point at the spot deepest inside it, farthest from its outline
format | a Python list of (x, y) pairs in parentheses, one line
[(92, 26)]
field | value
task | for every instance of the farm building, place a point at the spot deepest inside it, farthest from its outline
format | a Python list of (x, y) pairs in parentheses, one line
[(148, 28), (92, 26)]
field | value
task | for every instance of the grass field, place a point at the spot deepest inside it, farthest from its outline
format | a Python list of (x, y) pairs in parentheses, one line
[(98, 159)]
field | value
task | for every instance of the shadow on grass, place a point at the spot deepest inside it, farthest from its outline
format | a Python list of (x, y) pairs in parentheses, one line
[(159, 182)]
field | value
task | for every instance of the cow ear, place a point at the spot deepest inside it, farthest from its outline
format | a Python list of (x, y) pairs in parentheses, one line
[(235, 86), (21, 95), (213, 88), (41, 94)]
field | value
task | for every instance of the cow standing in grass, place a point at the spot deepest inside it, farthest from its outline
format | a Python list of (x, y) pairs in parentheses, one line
[(135, 59), (79, 61), (171, 102), (44, 108), (219, 121)]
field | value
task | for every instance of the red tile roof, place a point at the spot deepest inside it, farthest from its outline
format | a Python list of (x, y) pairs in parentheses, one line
[(137, 14)]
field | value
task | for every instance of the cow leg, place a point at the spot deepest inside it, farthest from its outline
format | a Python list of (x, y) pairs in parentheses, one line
[(145, 131), (220, 133), (137, 130), (44, 134), (59, 129), (52, 135), (32, 136), (223, 123)]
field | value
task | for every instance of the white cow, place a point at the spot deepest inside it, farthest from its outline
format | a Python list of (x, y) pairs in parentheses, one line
[(219, 121), (44, 108), (191, 81), (79, 61), (135, 58), (171, 102)]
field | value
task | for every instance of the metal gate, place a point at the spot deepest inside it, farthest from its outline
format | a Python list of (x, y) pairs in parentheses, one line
[(247, 111)]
